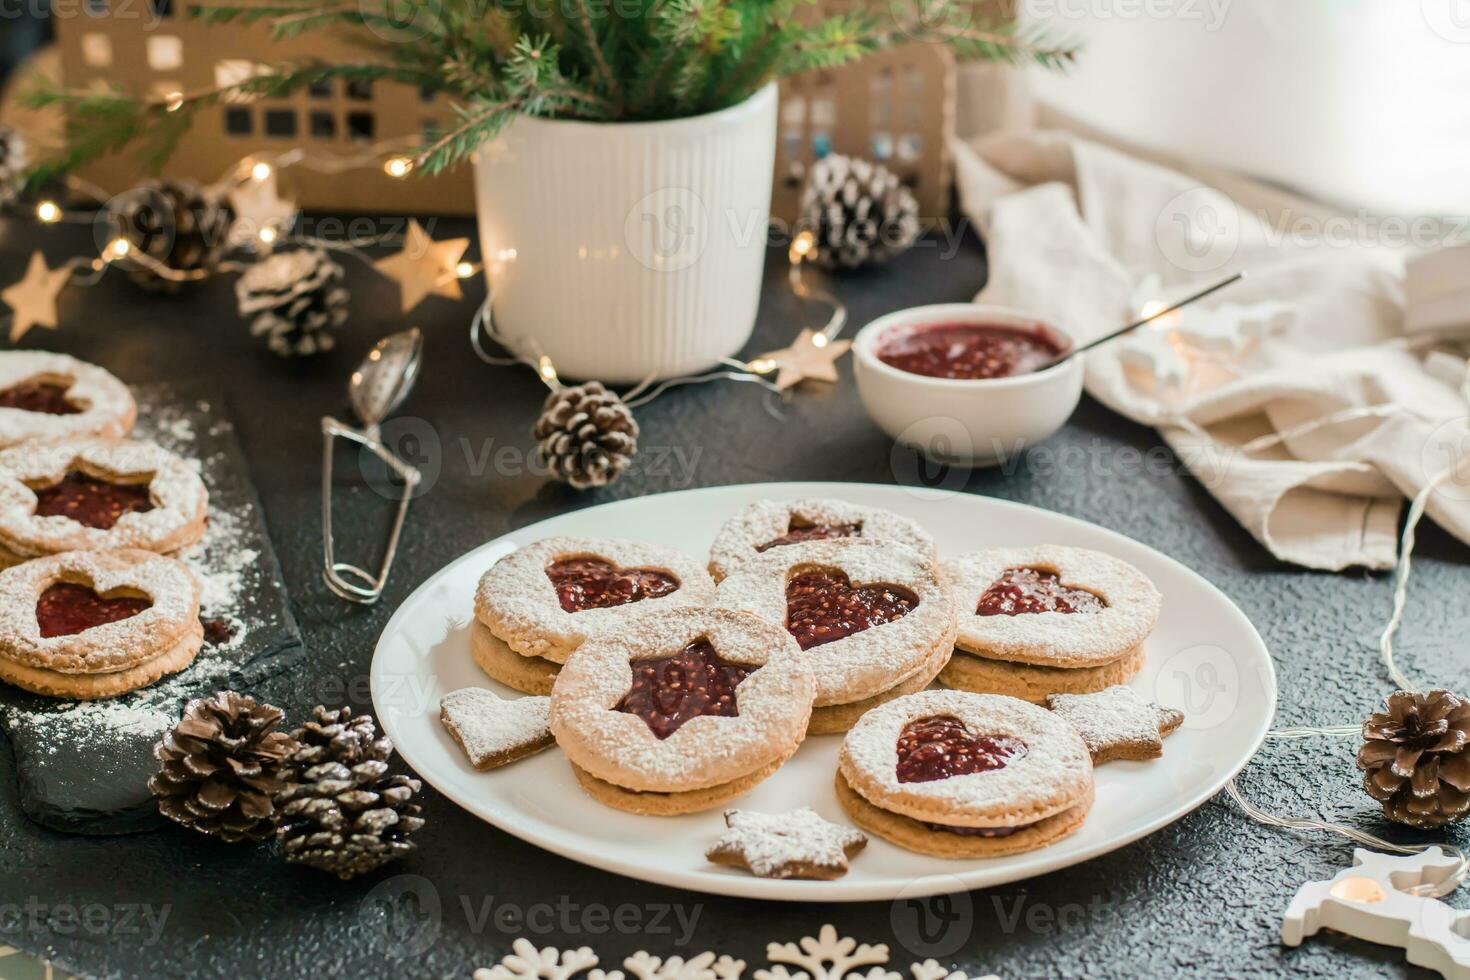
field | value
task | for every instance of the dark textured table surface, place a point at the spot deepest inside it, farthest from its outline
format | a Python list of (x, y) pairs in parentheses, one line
[(1200, 898)]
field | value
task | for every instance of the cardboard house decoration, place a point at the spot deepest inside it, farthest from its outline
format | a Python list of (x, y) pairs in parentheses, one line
[(894, 107), (153, 47)]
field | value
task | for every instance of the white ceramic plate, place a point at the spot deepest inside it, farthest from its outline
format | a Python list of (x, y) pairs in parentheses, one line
[(1204, 657)]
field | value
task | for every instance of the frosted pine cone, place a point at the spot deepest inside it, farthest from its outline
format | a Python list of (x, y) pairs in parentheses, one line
[(586, 436), (859, 212), (297, 299)]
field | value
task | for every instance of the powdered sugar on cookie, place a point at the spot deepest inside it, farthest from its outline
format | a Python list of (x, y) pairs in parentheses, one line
[(798, 844), (1116, 723), (496, 731), (1052, 774), (865, 663), (1055, 639), (518, 601), (105, 406), (175, 520), (773, 703), (764, 523), (114, 646)]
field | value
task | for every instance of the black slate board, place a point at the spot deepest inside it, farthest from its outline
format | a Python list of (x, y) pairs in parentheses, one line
[(84, 767)]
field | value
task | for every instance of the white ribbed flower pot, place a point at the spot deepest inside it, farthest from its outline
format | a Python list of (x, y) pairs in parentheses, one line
[(623, 250)]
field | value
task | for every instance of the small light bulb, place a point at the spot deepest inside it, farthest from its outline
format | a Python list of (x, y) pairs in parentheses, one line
[(819, 340), (48, 212), (762, 365), (545, 368), (464, 270), (397, 167), (268, 234), (118, 248), (173, 102), (260, 171), (802, 244)]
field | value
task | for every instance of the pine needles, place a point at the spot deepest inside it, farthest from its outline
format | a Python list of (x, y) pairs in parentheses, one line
[(598, 60)]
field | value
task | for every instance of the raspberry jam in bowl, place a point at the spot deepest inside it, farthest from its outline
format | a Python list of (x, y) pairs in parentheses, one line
[(965, 383)]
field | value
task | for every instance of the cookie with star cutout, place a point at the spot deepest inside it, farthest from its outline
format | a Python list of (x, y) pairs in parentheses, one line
[(681, 709)]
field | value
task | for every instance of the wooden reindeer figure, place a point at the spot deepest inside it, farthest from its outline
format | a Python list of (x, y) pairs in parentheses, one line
[(1372, 901)]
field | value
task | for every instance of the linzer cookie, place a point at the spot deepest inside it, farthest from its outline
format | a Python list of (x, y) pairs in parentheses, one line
[(962, 775), (875, 621), (94, 494), (773, 524), (681, 709), (539, 603), (1046, 620), (95, 624), (48, 397)]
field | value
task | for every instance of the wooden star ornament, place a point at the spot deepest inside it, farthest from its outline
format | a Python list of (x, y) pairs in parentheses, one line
[(424, 267), (33, 300), (813, 357)]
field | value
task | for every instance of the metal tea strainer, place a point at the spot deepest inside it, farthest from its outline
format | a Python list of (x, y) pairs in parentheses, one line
[(377, 387)]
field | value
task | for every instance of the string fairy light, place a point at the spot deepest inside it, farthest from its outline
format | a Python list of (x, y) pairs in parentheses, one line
[(1460, 470)]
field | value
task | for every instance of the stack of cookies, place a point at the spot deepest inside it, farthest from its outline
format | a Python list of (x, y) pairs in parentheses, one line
[(669, 693), (1048, 620), (93, 602)]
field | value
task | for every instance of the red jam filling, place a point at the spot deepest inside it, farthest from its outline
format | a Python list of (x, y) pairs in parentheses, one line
[(596, 583), (65, 608), (968, 351), (668, 691), (90, 501), (941, 746), (798, 532), (823, 606), (1032, 590), (977, 831), (45, 397)]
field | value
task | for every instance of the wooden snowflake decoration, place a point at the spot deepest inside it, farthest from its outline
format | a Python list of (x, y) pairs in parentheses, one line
[(826, 957)]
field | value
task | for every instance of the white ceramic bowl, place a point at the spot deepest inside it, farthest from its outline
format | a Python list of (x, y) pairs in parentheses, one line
[(978, 422)]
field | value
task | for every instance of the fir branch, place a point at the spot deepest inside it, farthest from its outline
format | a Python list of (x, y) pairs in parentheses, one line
[(594, 47)]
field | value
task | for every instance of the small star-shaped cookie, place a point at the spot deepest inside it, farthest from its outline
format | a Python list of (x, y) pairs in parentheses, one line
[(799, 844), (496, 731), (1115, 723)]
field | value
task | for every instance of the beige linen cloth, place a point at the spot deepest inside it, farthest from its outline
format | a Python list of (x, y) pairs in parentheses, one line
[(1081, 233)]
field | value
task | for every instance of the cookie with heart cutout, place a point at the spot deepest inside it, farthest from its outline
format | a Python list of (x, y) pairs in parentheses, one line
[(681, 709), (769, 524), (529, 675), (873, 620), (1051, 605), (962, 775), (48, 397), (95, 494), (542, 601), (1033, 682), (96, 624)]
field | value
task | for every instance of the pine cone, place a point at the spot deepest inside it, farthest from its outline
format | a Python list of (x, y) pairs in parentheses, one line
[(221, 766), (173, 223), (1416, 760), (296, 297), (14, 158), (342, 811), (586, 436), (858, 212)]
